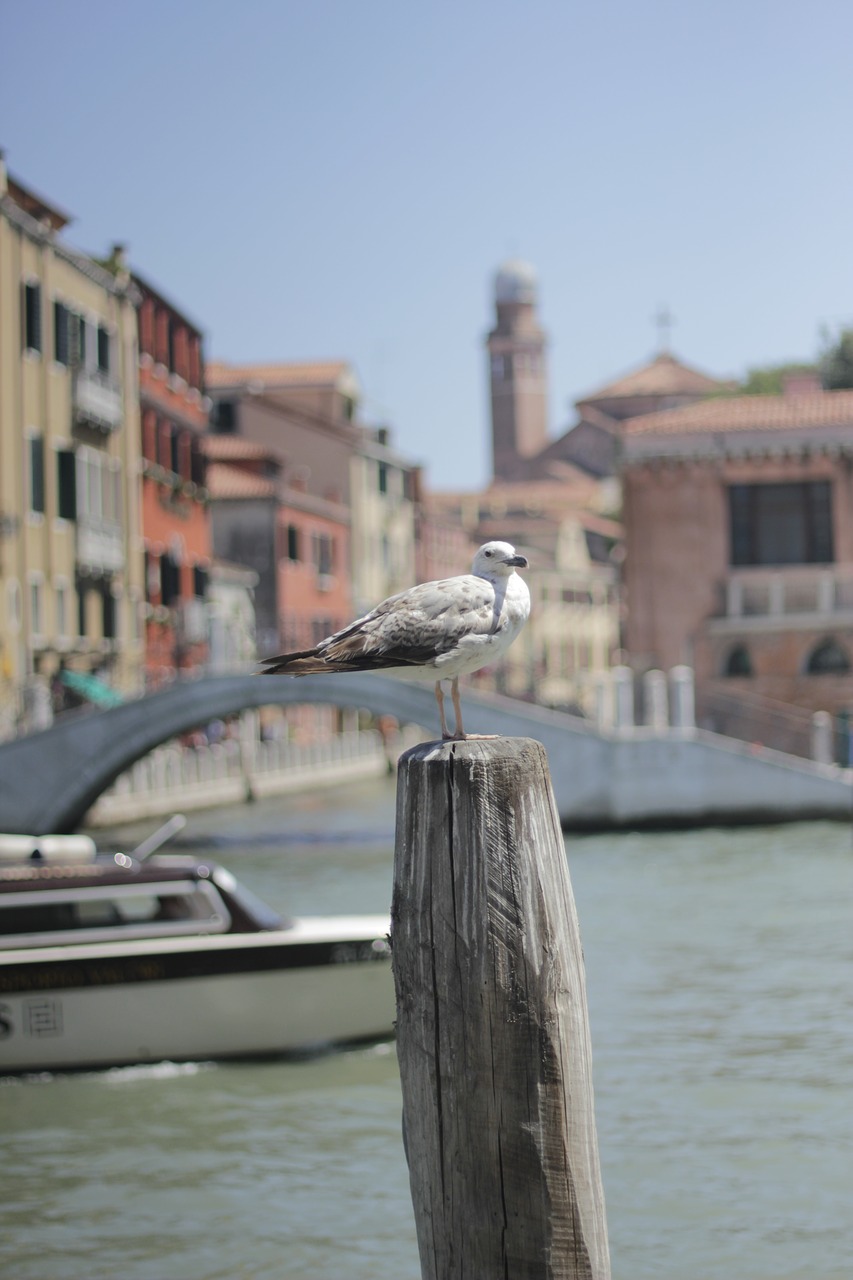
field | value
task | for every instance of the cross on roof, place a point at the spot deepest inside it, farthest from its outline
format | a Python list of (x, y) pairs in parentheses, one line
[(664, 320)]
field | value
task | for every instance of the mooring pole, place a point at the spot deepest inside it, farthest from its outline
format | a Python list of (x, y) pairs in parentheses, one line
[(492, 1028)]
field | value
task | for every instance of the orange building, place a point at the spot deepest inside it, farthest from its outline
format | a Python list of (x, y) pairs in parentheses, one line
[(297, 542), (175, 519)]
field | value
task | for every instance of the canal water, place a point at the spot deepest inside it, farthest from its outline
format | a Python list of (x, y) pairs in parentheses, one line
[(720, 982)]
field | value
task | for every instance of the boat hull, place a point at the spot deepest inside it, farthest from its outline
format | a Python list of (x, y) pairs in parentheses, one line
[(188, 999)]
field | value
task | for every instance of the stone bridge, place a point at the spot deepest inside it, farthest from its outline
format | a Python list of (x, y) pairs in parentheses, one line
[(623, 778)]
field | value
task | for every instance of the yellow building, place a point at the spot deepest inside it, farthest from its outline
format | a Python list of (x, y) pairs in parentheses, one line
[(71, 556), (383, 496)]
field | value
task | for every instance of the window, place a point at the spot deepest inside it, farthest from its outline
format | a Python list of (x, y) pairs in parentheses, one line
[(828, 659), (292, 543), (224, 417), (383, 478), (32, 317), (323, 554), (108, 613), (175, 451), (103, 349), (37, 474), (79, 342), (66, 467), (61, 334), (738, 662), (36, 606), (61, 594), (781, 523), (170, 580), (199, 582)]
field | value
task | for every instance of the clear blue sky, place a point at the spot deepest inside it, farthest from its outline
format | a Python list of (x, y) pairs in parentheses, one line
[(342, 178)]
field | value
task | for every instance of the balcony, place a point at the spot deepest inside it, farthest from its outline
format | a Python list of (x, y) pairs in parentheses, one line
[(100, 544), (97, 399), (784, 599)]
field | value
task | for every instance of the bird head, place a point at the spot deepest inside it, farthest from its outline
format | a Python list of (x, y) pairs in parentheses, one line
[(497, 558)]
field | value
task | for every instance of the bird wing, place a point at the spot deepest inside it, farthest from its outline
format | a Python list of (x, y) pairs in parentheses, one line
[(412, 628)]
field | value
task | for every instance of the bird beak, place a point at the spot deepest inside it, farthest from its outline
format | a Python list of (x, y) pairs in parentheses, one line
[(518, 562)]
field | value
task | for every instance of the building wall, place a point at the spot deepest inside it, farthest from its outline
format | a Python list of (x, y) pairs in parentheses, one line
[(676, 542), (175, 515), (244, 532), (383, 526), (314, 596), (314, 452), (58, 564), (679, 581)]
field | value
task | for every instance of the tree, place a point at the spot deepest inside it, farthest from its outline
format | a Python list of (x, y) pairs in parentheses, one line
[(836, 362), (768, 380)]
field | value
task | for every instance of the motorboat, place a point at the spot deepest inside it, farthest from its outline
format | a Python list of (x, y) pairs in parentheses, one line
[(115, 959)]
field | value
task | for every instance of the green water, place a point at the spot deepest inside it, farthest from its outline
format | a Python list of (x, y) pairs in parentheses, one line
[(720, 983)]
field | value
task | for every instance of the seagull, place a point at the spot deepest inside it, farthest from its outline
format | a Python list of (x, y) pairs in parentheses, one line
[(438, 630)]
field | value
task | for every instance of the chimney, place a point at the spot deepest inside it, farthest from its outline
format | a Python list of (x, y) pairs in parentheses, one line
[(801, 384)]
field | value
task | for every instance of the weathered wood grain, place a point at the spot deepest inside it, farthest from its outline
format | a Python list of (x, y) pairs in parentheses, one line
[(492, 1030)]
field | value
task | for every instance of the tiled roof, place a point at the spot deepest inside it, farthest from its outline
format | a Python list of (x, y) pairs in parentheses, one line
[(749, 413), (219, 373), (229, 448), (230, 482), (663, 376)]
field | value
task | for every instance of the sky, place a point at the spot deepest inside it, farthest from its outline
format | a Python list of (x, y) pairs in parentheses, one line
[(341, 180)]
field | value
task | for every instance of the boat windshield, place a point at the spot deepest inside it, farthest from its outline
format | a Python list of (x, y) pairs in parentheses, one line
[(254, 907)]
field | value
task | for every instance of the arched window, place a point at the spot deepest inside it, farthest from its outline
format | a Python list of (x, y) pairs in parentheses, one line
[(738, 662), (828, 658)]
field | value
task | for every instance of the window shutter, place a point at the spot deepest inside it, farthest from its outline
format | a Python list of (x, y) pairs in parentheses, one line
[(103, 349), (67, 484), (37, 474), (61, 317), (32, 317)]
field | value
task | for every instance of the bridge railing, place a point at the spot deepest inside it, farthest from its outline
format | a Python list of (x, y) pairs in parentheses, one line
[(174, 777)]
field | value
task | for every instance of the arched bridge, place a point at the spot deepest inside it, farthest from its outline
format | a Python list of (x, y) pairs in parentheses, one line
[(49, 780)]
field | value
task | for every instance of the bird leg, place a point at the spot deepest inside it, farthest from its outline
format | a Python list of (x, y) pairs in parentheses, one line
[(439, 697), (457, 709)]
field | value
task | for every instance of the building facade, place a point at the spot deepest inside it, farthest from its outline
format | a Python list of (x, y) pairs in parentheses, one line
[(384, 501), (739, 549), (175, 517), (568, 645), (347, 523), (71, 553)]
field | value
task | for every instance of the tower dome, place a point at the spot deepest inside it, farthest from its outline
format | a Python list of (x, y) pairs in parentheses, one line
[(515, 281)]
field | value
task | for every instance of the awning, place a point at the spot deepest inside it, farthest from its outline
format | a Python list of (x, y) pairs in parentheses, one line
[(91, 688)]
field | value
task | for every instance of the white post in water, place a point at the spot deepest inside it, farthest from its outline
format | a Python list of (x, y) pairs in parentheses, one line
[(492, 1029), (655, 701), (623, 697), (822, 737), (683, 699)]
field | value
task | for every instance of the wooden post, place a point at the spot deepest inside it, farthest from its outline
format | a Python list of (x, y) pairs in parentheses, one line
[(492, 1029)]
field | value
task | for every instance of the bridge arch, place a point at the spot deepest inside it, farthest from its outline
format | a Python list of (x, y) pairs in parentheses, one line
[(49, 780)]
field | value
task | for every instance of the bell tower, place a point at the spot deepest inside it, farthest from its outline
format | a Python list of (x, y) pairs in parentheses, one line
[(517, 373)]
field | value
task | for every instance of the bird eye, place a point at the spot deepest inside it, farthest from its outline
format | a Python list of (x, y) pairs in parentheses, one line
[(490, 553)]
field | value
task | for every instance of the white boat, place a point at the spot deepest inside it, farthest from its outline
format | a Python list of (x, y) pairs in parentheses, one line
[(116, 959)]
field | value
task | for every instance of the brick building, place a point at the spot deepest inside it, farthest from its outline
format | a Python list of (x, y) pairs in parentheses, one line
[(738, 520)]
